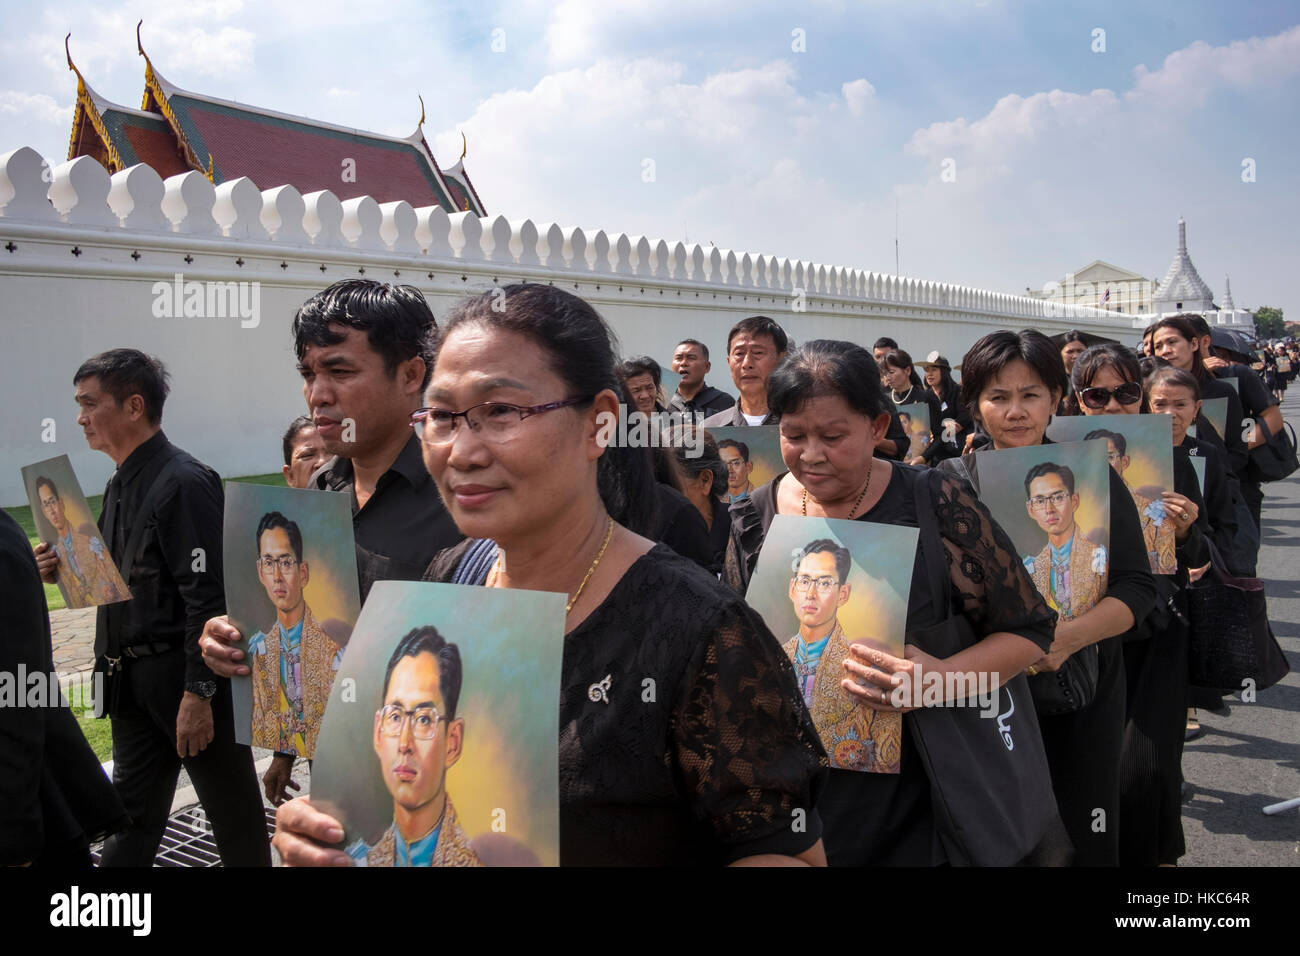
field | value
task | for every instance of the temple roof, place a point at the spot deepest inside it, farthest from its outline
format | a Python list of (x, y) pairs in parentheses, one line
[(177, 130), (1227, 295), (1182, 283)]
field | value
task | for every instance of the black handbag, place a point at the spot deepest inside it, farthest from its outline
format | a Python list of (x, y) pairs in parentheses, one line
[(1069, 688), (1230, 639), (1276, 458), (990, 785)]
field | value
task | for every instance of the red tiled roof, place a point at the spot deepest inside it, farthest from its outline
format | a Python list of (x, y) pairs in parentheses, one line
[(156, 147)]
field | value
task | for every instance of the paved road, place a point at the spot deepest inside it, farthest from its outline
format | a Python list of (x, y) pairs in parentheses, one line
[(1251, 757)]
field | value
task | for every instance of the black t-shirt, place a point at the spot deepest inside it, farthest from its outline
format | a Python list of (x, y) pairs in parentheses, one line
[(704, 752), (875, 819), (682, 527), (1254, 394)]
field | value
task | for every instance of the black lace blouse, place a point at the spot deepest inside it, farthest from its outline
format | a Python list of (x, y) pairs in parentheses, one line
[(683, 737)]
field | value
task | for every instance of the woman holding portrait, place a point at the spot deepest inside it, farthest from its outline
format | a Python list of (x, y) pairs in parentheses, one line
[(727, 767), (1107, 380), (1012, 383), (832, 411)]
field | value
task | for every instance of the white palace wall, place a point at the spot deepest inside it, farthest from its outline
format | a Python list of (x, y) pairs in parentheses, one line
[(89, 262)]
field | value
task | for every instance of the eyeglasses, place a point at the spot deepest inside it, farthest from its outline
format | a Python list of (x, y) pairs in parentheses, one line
[(824, 583), (492, 421), (1130, 393), (424, 721), (284, 562), (735, 463), (1055, 499), (1113, 456)]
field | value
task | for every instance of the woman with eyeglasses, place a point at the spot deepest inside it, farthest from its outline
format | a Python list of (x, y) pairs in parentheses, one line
[(832, 409), (724, 767), (1012, 383), (1107, 381)]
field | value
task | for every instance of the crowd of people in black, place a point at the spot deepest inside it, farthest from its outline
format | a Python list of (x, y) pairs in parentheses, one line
[(733, 772)]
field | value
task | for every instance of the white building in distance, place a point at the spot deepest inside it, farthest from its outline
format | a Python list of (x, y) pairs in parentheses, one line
[(1102, 285)]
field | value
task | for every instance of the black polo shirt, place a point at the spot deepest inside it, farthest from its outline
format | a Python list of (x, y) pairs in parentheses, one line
[(403, 524)]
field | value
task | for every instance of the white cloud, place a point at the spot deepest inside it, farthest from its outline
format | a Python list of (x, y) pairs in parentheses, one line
[(858, 94), (39, 106), (1187, 76), (1015, 118)]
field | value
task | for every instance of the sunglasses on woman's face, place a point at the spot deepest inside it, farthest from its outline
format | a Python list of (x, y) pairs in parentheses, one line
[(1130, 393)]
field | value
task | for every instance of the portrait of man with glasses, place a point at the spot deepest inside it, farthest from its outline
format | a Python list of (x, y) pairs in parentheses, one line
[(1070, 571), (855, 737), (417, 739), (294, 660)]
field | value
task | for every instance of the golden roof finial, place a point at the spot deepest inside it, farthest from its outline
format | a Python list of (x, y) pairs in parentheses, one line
[(421, 98), (69, 53), (138, 45), (209, 173), (464, 145)]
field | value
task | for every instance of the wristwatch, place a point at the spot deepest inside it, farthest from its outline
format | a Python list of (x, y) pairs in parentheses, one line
[(206, 689)]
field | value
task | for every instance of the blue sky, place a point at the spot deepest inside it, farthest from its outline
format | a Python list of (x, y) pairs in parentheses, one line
[(1062, 155)]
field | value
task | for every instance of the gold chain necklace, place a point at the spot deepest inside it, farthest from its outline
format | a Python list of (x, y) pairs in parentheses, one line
[(862, 494), (609, 533)]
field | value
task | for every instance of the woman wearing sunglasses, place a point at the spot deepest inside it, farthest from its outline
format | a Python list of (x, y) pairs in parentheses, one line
[(1012, 383), (1107, 381), (726, 767)]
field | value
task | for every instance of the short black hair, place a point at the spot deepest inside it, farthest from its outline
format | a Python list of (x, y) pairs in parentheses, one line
[(827, 367), (884, 342), (760, 325), (1162, 373), (843, 560), (1198, 322), (1115, 438), (640, 365), (1050, 468), (696, 342), (396, 319), (126, 372), (48, 482), (897, 358), (273, 519), (299, 424), (422, 640), (991, 354), (1186, 329), (740, 446)]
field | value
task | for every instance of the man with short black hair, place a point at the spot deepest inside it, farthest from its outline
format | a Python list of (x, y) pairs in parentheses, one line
[(365, 353), (884, 345), (691, 362), (162, 523), (755, 347)]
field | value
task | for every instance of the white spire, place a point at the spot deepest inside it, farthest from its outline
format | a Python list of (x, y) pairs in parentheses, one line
[(1227, 296), (1182, 289)]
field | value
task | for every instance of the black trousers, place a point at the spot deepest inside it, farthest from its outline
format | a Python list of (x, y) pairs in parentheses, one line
[(1083, 754), (147, 699)]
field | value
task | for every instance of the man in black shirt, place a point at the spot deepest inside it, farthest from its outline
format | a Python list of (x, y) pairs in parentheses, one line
[(365, 353), (691, 362), (162, 523)]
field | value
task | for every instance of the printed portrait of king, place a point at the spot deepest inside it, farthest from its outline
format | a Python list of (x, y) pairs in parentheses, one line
[(294, 660)]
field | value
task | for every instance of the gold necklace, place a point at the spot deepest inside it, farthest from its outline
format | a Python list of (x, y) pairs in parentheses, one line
[(862, 494), (609, 533)]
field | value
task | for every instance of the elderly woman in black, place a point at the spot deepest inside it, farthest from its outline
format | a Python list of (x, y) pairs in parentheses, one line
[(727, 766), (832, 409), (1012, 383), (1107, 380)]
